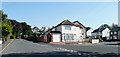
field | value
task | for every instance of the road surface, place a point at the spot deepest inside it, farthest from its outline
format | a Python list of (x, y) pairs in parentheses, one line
[(24, 47)]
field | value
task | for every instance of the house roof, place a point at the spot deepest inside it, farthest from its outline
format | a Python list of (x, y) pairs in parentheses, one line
[(35, 28), (88, 29), (116, 29), (67, 22), (98, 30), (101, 29), (79, 24)]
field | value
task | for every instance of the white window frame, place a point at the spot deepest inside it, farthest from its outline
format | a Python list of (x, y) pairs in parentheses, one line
[(115, 32), (67, 27)]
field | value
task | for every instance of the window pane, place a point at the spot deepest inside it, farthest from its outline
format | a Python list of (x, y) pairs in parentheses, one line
[(67, 27)]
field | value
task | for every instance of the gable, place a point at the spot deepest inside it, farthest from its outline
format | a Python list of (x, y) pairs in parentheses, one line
[(106, 30), (77, 23)]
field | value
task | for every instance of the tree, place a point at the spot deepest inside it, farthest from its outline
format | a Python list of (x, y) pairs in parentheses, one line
[(88, 27), (6, 31), (13, 27), (114, 25), (105, 26), (26, 29), (17, 29), (0, 23)]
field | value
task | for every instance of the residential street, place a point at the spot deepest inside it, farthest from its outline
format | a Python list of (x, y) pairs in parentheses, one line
[(106, 48), (24, 47)]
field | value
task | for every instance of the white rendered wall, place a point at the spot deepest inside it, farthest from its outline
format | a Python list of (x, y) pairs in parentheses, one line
[(74, 30), (106, 33), (89, 32)]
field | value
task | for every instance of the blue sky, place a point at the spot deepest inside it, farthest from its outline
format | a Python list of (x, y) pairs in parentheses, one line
[(40, 14)]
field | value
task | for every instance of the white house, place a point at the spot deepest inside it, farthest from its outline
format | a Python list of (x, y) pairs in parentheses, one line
[(89, 32), (70, 32), (102, 32), (35, 30)]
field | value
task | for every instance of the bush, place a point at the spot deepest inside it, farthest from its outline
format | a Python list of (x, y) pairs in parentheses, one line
[(98, 37)]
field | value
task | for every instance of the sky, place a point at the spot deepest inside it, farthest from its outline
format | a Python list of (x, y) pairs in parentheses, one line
[(90, 14), (59, 0)]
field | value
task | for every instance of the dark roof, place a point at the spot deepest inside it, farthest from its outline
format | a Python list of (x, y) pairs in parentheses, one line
[(55, 32), (87, 29), (65, 22), (116, 29), (101, 29), (35, 28), (98, 30), (79, 24)]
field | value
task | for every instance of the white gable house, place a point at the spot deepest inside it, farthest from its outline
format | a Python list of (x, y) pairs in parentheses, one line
[(89, 32), (104, 33), (70, 31)]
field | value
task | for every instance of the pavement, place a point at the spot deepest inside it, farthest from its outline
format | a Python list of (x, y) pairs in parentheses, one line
[(20, 47), (0, 49), (0, 41)]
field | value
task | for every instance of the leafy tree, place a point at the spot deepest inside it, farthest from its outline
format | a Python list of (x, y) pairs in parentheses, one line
[(0, 23), (106, 26), (6, 30), (17, 29), (13, 27), (114, 25), (88, 27)]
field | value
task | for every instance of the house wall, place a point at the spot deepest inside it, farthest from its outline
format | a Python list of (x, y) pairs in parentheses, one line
[(113, 35), (96, 34), (74, 30), (106, 33), (83, 29), (59, 28), (44, 38), (89, 32)]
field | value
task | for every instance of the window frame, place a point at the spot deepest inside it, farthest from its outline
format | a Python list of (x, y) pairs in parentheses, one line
[(67, 27)]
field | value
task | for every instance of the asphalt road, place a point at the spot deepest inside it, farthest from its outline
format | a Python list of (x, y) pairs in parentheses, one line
[(105, 48), (24, 47)]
